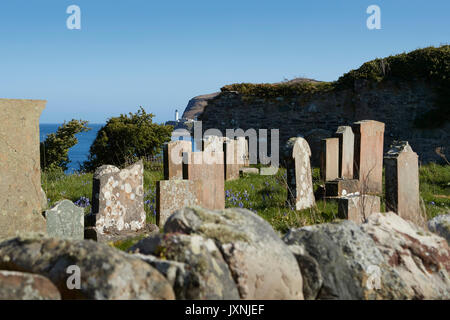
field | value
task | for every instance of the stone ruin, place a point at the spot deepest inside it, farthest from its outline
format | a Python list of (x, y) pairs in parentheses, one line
[(117, 202), (20, 172)]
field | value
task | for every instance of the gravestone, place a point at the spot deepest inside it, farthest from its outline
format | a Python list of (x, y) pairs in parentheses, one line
[(368, 165), (329, 161), (402, 181), (118, 201), (357, 208), (65, 221), (346, 151), (231, 159), (20, 170), (208, 168), (242, 151), (172, 195), (173, 158), (299, 178)]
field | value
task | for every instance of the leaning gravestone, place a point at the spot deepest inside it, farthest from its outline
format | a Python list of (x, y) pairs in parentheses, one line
[(299, 177), (172, 195), (173, 158), (118, 201), (20, 171), (368, 166), (402, 181), (208, 169), (346, 151), (329, 160), (65, 221)]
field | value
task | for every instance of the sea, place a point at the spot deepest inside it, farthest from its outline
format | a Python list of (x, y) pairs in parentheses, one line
[(78, 153)]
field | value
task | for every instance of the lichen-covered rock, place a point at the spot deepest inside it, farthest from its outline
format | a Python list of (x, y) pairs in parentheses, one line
[(26, 286), (261, 264), (312, 278), (441, 226), (421, 258), (351, 265), (105, 273), (117, 201), (192, 264)]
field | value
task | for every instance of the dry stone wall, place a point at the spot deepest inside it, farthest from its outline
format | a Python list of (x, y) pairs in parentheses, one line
[(397, 104)]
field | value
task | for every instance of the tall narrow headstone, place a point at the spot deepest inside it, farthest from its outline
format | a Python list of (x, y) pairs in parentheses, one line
[(208, 168), (231, 160), (242, 151), (368, 165), (402, 181), (329, 168), (299, 178), (172, 195), (65, 221), (118, 201), (20, 170), (173, 158), (346, 151)]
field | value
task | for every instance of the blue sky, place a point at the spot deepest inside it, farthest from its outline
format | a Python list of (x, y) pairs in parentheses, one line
[(159, 54)]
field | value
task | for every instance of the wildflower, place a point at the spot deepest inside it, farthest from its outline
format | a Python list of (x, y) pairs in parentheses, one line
[(83, 202)]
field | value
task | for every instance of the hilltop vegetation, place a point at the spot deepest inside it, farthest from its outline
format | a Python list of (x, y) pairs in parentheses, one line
[(429, 64)]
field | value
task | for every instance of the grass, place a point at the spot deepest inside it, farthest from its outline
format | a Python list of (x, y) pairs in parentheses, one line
[(265, 195)]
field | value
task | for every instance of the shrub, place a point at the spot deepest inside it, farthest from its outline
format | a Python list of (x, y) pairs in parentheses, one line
[(55, 149), (127, 138)]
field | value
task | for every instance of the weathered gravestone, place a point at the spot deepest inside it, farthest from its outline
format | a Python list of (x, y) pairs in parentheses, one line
[(20, 171), (232, 165), (65, 221), (242, 151), (358, 208), (368, 165), (172, 195), (346, 151), (299, 178), (173, 158), (208, 168), (329, 161), (402, 181), (118, 201)]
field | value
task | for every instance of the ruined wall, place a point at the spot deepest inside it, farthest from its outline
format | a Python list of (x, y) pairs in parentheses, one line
[(396, 103)]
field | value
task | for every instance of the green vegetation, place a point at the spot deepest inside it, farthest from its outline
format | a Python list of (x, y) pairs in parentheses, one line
[(265, 195), (126, 139), (429, 64), (55, 148)]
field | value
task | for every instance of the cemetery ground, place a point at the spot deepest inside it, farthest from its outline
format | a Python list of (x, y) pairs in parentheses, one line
[(265, 195)]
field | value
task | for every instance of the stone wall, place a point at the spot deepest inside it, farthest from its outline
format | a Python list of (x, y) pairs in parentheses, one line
[(396, 103)]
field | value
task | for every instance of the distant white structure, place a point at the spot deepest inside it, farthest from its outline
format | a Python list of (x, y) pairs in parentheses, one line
[(176, 115)]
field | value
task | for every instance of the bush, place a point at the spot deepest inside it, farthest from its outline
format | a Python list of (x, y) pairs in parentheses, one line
[(55, 149), (126, 139)]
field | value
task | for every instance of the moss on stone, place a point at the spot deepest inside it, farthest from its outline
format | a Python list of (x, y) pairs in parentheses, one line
[(222, 233)]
